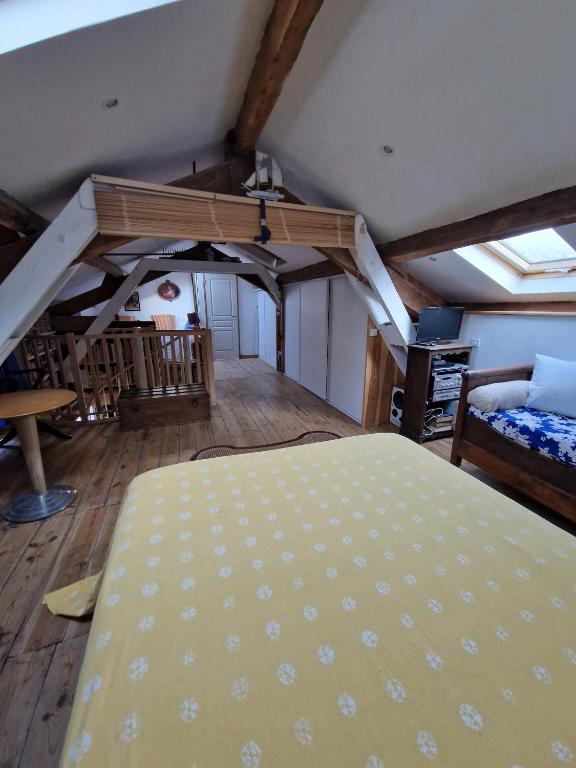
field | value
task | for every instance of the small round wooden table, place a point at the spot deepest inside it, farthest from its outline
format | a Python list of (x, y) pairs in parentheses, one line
[(22, 408)]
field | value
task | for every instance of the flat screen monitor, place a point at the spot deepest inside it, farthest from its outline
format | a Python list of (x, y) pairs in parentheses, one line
[(439, 323)]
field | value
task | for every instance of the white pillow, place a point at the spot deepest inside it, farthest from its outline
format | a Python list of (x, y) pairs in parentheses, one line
[(500, 396), (553, 386)]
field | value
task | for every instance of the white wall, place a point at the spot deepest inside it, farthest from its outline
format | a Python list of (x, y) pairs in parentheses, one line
[(152, 304), (513, 340), (248, 317)]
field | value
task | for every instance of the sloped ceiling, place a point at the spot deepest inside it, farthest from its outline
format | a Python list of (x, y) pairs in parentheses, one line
[(476, 98), (179, 73)]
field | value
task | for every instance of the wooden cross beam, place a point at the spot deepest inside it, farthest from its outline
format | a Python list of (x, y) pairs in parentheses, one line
[(137, 209), (225, 178), (550, 210), (283, 38), (18, 217)]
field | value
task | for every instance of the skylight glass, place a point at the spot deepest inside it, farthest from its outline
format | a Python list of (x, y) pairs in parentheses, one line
[(541, 251), (24, 22), (540, 247)]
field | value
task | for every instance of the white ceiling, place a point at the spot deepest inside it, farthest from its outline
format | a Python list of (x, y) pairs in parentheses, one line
[(179, 72), (476, 97)]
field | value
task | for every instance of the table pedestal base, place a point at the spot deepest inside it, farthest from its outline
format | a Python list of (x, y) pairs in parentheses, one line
[(33, 506)]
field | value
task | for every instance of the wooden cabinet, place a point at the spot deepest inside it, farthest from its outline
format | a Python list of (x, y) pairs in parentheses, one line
[(158, 407), (419, 389)]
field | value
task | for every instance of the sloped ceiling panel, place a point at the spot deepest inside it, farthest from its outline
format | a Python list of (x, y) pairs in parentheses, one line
[(179, 73), (476, 98)]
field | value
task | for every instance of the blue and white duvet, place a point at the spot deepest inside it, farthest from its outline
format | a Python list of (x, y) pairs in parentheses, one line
[(547, 433)]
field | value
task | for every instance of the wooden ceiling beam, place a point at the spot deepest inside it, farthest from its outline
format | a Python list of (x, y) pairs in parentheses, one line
[(523, 308), (550, 210), (18, 217), (8, 236), (261, 255), (341, 257), (323, 268), (225, 178), (12, 253), (413, 293), (281, 43), (136, 209)]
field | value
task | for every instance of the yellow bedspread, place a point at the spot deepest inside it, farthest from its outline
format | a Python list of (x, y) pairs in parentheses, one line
[(357, 603)]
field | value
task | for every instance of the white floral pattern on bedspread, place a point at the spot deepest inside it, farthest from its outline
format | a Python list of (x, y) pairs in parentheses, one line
[(547, 433)]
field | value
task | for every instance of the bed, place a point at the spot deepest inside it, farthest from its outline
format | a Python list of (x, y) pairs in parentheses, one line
[(359, 602), (538, 459)]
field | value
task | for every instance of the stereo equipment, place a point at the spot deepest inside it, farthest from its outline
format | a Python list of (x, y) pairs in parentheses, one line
[(446, 380), (397, 406)]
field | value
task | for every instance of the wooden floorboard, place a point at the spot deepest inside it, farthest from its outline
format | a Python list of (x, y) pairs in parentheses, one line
[(40, 655)]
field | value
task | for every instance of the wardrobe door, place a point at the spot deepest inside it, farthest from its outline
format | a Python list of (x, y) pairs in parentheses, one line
[(314, 336), (292, 332), (266, 329), (347, 349)]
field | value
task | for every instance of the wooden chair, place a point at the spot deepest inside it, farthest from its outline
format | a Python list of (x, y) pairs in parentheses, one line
[(126, 318), (164, 322)]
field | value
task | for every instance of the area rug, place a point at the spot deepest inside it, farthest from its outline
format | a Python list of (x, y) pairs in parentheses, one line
[(230, 450)]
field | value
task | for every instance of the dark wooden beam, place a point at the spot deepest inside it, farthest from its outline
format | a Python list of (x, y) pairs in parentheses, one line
[(283, 38), (262, 255), (341, 257), (313, 272), (18, 217), (8, 236), (88, 299), (12, 253), (413, 293), (106, 265), (225, 178), (550, 210), (523, 308)]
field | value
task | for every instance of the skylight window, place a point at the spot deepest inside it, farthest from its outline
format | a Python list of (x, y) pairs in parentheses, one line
[(24, 22), (540, 251)]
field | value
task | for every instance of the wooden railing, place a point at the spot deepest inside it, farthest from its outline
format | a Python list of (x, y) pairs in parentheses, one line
[(99, 367)]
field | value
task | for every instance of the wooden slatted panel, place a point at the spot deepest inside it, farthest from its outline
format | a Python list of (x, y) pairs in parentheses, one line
[(144, 213), (164, 359)]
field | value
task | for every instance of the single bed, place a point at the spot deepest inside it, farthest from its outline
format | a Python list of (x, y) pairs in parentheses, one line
[(533, 453), (359, 602)]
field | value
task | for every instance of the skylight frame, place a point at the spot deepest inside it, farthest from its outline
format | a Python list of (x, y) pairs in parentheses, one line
[(504, 252)]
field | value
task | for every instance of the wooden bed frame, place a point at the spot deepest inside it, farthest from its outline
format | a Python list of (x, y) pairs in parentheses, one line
[(540, 477)]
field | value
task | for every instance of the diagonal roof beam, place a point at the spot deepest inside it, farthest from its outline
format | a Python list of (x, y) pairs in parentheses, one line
[(18, 217), (550, 210), (283, 38)]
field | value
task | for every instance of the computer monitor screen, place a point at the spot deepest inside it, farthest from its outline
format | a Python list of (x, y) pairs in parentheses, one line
[(437, 323)]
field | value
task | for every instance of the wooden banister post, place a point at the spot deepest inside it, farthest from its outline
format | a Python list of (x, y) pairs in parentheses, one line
[(139, 360), (74, 368), (208, 361)]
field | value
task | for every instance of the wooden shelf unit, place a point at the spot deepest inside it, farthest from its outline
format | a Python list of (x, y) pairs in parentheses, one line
[(418, 388)]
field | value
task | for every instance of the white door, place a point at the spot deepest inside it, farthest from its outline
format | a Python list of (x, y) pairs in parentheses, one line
[(292, 332), (266, 329), (346, 349), (314, 336), (222, 313)]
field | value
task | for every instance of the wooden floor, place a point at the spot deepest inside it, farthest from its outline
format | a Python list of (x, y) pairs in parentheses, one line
[(40, 655)]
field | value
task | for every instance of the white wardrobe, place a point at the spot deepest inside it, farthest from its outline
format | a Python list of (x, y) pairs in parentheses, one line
[(325, 330), (266, 329)]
